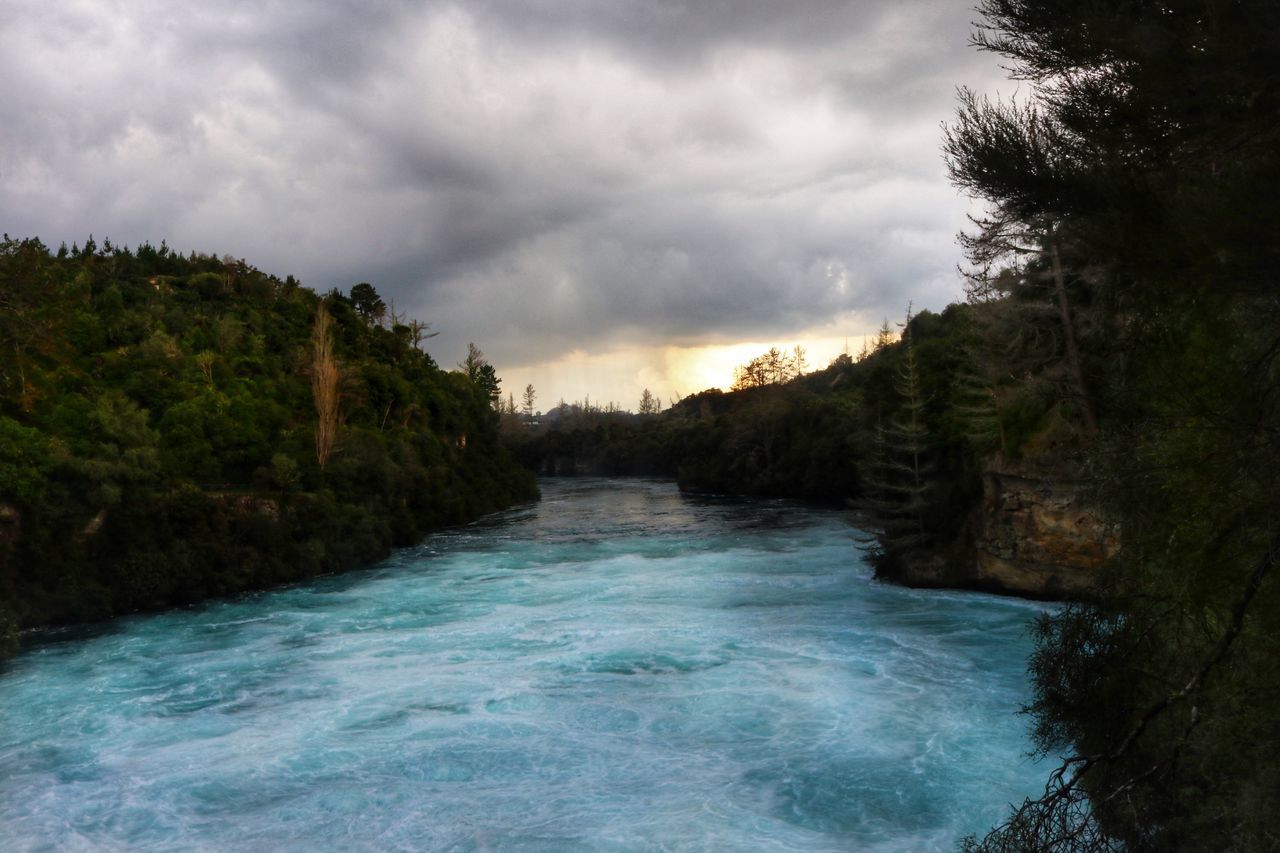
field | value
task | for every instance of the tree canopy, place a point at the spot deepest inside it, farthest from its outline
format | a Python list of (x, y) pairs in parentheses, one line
[(174, 427), (1138, 167)]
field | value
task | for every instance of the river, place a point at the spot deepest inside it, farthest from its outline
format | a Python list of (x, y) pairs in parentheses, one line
[(619, 667)]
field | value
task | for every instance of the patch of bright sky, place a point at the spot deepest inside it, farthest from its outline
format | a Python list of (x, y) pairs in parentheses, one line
[(620, 375)]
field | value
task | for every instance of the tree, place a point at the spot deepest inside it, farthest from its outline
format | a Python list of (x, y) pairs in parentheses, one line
[(365, 299), (528, 401), (474, 361), (798, 363), (478, 369), (884, 337), (896, 480), (772, 368), (29, 318), (156, 413), (1129, 175), (985, 139), (326, 379), (649, 404), (418, 333)]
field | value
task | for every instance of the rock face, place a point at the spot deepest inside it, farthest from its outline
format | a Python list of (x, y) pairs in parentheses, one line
[(1033, 535), (1036, 536)]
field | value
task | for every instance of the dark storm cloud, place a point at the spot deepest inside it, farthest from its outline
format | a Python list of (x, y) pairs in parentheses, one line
[(533, 176)]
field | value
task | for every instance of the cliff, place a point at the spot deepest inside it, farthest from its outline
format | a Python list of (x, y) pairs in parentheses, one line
[(1034, 534), (1038, 536)]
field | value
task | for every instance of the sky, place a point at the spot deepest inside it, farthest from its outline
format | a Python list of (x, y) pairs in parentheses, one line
[(603, 195)]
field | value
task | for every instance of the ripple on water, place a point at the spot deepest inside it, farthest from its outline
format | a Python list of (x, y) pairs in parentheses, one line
[(619, 667)]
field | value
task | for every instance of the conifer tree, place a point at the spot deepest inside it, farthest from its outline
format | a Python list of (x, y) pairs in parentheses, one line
[(896, 482)]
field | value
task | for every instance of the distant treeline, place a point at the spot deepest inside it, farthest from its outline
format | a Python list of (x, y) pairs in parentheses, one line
[(174, 427), (899, 433)]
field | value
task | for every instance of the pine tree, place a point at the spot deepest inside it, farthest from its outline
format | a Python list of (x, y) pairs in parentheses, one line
[(896, 480)]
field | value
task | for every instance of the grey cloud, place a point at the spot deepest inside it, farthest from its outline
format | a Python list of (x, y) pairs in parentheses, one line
[(534, 177), (684, 31)]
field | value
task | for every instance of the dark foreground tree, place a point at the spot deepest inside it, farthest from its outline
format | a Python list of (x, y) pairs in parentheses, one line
[(1148, 140)]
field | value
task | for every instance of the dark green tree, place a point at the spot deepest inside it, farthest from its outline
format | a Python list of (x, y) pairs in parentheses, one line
[(156, 434), (897, 476), (478, 369), (365, 299), (1133, 175)]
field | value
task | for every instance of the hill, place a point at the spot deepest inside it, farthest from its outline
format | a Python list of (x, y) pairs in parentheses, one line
[(178, 427)]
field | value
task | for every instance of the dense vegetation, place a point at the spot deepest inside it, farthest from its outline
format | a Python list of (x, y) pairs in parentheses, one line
[(1135, 186), (177, 427)]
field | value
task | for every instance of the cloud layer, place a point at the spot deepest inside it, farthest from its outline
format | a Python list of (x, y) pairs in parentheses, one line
[(537, 177)]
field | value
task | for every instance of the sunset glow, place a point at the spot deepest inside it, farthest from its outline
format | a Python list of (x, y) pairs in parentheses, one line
[(621, 375)]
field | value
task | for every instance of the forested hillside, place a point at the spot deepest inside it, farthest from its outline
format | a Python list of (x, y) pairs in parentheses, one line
[(176, 427)]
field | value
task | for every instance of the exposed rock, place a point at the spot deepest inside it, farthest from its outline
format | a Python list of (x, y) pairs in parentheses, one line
[(1033, 535), (1037, 536)]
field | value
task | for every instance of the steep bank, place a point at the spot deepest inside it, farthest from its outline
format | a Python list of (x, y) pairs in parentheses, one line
[(1040, 536), (1033, 535), (178, 427)]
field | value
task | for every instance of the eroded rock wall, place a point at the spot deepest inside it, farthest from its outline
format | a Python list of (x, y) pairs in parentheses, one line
[(1037, 536)]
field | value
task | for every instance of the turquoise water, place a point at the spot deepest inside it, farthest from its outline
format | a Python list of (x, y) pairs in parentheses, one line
[(616, 668)]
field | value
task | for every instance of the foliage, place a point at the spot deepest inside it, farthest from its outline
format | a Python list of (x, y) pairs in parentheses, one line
[(478, 369), (1145, 152), (368, 304), (811, 437), (174, 427), (774, 367), (649, 404), (896, 482)]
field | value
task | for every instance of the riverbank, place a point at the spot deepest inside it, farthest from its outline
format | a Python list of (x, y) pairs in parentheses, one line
[(179, 427)]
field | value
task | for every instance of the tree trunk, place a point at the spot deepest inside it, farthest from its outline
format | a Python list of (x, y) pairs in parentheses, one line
[(326, 377), (1069, 334)]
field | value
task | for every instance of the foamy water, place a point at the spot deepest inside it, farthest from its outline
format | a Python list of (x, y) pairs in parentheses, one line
[(616, 668)]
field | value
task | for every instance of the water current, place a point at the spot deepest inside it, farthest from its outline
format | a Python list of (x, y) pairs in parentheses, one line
[(618, 667)]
